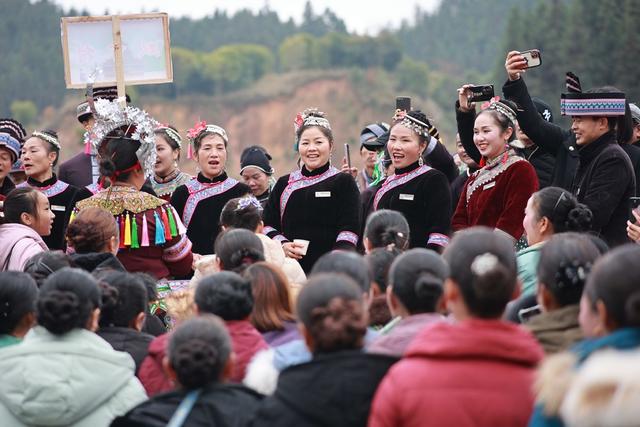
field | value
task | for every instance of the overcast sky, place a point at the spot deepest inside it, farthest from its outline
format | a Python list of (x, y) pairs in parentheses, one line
[(360, 15)]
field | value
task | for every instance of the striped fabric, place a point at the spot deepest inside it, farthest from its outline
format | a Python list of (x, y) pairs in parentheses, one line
[(592, 104)]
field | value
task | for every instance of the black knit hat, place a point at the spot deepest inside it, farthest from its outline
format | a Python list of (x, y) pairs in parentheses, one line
[(370, 135), (543, 109), (110, 93), (256, 157)]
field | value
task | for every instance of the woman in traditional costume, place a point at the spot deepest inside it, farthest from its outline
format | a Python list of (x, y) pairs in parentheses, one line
[(152, 237), (12, 135), (199, 202), (317, 202), (167, 175)]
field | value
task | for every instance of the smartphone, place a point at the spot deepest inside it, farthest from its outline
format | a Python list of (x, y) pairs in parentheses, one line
[(403, 103), (527, 313), (533, 58), (481, 93), (635, 206), (347, 155)]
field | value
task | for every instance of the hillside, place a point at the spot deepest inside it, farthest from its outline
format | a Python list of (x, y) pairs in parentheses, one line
[(263, 113)]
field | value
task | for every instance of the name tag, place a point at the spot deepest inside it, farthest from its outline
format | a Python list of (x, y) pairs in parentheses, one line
[(490, 185), (406, 196), (58, 208), (323, 193)]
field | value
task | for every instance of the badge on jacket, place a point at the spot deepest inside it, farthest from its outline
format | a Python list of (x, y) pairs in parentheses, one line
[(323, 193), (406, 197)]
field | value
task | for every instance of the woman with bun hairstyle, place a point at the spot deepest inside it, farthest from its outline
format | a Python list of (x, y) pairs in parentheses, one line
[(27, 217), (18, 293), (417, 191), (74, 377), (200, 201), (336, 387), (152, 238), (40, 154), (496, 195), (386, 228), (549, 211), (12, 135), (565, 262), (199, 362), (167, 176), (94, 239), (477, 371), (317, 202), (609, 318), (414, 294)]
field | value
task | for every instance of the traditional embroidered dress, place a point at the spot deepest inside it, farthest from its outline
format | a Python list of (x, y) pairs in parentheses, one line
[(164, 187), (321, 206), (152, 237), (496, 195), (199, 203), (422, 195), (62, 198)]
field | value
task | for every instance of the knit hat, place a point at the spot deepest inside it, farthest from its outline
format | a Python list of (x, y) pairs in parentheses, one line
[(544, 109), (370, 135), (109, 93), (12, 135), (256, 157)]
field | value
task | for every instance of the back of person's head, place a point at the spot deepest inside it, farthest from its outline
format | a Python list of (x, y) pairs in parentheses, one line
[(18, 294), (242, 212), (149, 283), (92, 230), (43, 264), (272, 300), (614, 282), (199, 350), (417, 280), (67, 300), (124, 299), (237, 249), (602, 246), (482, 263), (331, 309), (562, 209), (386, 227), (349, 263), (20, 200), (565, 263), (226, 295), (118, 153), (379, 261)]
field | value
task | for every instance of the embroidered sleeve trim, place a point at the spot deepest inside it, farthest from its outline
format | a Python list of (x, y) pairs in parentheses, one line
[(347, 236), (177, 251), (438, 239)]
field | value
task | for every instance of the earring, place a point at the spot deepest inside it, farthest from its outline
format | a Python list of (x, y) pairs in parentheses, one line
[(420, 160)]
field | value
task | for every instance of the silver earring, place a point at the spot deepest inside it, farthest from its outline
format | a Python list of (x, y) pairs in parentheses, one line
[(420, 160)]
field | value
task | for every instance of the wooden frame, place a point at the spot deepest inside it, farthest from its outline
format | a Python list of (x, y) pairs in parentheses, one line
[(124, 66)]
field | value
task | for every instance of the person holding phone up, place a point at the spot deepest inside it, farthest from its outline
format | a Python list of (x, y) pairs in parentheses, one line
[(314, 209)]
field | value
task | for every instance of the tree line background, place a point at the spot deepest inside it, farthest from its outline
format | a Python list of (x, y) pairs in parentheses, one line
[(431, 55)]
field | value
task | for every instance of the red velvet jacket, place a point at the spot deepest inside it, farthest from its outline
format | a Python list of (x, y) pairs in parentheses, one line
[(496, 196), (477, 373)]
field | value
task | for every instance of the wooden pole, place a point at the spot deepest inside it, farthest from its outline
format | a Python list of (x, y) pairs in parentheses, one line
[(117, 51)]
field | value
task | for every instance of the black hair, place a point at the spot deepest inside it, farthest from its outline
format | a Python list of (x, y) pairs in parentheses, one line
[(379, 261), (165, 135), (483, 265), (118, 153), (67, 299), (563, 210), (621, 125), (501, 119), (417, 279), (20, 200), (614, 281), (325, 131), (351, 264), (18, 294), (49, 146), (237, 249), (386, 227), (124, 296), (198, 351), (224, 294), (247, 217), (43, 264), (330, 307), (150, 284), (565, 263)]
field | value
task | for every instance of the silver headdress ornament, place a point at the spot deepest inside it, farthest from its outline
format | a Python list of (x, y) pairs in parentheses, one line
[(495, 104), (484, 263), (245, 202), (110, 116), (46, 137), (175, 136), (418, 126)]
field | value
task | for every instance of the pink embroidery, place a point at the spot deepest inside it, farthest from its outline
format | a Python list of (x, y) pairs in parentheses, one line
[(347, 236), (199, 191), (177, 251), (298, 181), (396, 180), (438, 239), (51, 190)]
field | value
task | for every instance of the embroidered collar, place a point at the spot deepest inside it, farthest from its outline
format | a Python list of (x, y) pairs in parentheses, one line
[(168, 187), (118, 199), (491, 171), (199, 191), (315, 172), (51, 187), (395, 181), (203, 179), (297, 181), (162, 180), (46, 183)]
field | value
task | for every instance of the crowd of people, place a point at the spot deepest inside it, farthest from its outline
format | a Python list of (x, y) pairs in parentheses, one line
[(495, 286)]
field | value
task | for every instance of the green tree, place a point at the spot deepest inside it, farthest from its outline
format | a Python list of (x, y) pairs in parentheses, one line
[(413, 76), (298, 52), (24, 111)]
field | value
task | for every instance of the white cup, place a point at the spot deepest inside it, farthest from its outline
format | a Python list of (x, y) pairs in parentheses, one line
[(302, 244)]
